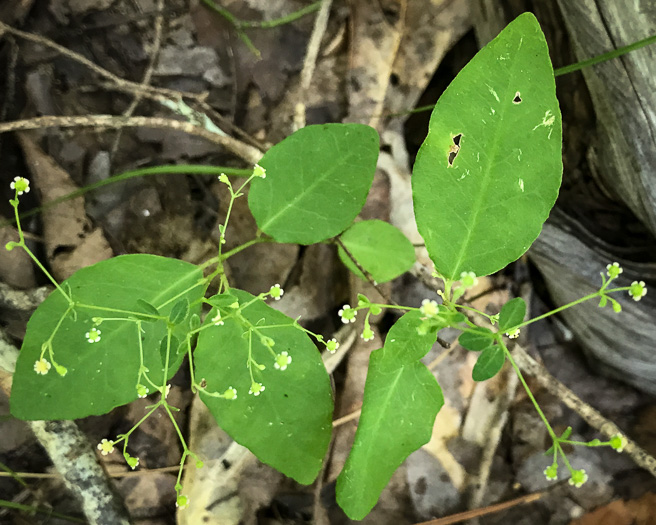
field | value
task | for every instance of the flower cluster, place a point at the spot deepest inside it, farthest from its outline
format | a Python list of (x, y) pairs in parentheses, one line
[(367, 334), (259, 171), (217, 319), (468, 279), (618, 442), (42, 366), (276, 292), (182, 502), (638, 290), (21, 185), (230, 393), (332, 345), (579, 477), (93, 335), (142, 391), (106, 447), (551, 472), (256, 388), (347, 314), (282, 360), (614, 270), (513, 334), (429, 308)]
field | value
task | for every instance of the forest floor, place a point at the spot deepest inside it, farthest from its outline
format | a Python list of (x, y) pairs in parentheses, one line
[(375, 62)]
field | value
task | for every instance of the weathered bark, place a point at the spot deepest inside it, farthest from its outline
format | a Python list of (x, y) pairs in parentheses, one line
[(610, 171)]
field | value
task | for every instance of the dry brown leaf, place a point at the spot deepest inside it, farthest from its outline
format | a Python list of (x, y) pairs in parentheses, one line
[(71, 241), (639, 511)]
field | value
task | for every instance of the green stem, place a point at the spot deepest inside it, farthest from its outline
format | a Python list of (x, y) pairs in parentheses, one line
[(153, 170), (21, 244), (48, 512), (528, 391), (615, 53), (292, 17)]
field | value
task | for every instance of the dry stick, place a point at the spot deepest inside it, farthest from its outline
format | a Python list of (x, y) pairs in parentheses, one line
[(589, 414), (148, 75), (153, 93), (246, 152), (134, 87), (310, 62), (485, 511)]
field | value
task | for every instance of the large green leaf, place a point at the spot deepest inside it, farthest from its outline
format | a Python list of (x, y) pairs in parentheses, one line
[(380, 248), (317, 180), (289, 424), (401, 400), (488, 173), (102, 375)]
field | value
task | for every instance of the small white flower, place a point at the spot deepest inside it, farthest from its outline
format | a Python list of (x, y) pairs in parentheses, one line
[(347, 314), (256, 389), (638, 290), (579, 477), (468, 279), (332, 345), (282, 360), (259, 171), (618, 442), (230, 393), (429, 308), (93, 335), (166, 392), (513, 334), (551, 472), (106, 447), (182, 502), (21, 185), (42, 366), (276, 292), (614, 270), (367, 334), (217, 319), (142, 391)]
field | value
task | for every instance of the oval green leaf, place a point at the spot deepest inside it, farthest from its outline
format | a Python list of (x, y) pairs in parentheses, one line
[(489, 363), (287, 426), (401, 400), (317, 180), (380, 248), (512, 313), (476, 340), (102, 375), (488, 173)]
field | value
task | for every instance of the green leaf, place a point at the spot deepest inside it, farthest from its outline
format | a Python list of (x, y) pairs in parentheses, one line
[(147, 308), (489, 171), (401, 400), (317, 180), (489, 363), (173, 349), (512, 313), (102, 375), (223, 301), (179, 311), (477, 340), (288, 426), (380, 248)]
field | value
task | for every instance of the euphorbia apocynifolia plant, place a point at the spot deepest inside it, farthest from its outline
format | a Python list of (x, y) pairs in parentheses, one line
[(483, 184)]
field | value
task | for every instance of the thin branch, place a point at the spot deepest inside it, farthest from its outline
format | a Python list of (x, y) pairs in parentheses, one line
[(589, 414), (485, 511), (246, 152), (125, 85), (148, 75), (310, 62)]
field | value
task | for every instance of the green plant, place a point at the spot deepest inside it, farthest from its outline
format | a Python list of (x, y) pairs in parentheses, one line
[(484, 182)]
